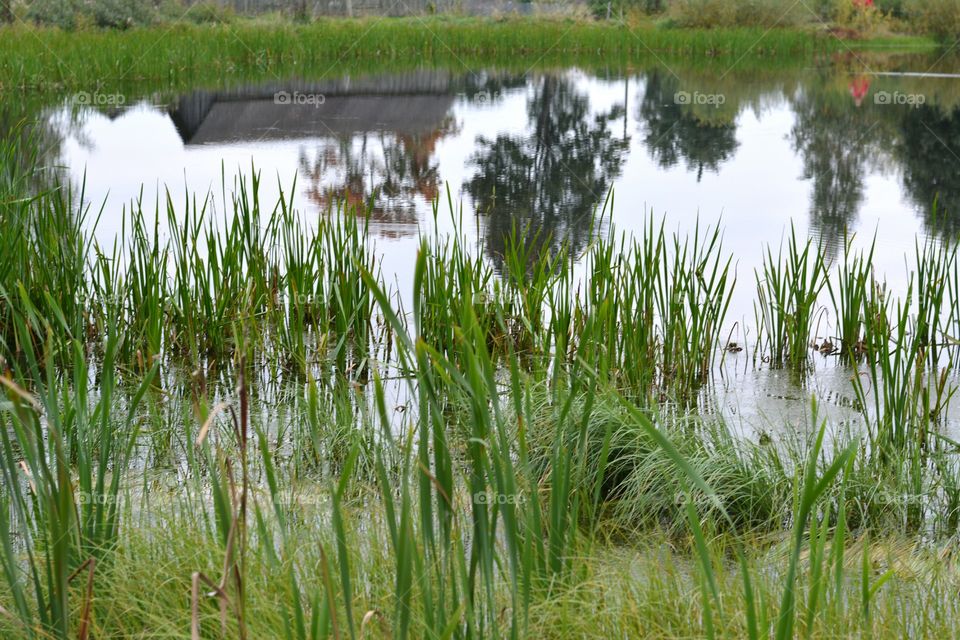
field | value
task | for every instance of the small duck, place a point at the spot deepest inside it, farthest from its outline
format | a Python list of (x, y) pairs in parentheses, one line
[(733, 347)]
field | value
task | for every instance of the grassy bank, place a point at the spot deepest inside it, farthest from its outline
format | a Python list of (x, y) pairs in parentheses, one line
[(183, 55), (237, 430)]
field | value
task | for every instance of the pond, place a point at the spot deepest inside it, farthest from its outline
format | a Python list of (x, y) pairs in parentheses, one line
[(845, 148)]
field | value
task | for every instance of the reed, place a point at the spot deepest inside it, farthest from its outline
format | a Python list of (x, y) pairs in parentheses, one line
[(901, 396), (44, 267), (849, 292), (788, 288), (934, 263), (62, 456), (554, 450), (652, 312)]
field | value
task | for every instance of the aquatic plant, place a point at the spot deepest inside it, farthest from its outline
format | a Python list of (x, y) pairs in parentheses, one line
[(849, 292), (64, 454), (787, 292)]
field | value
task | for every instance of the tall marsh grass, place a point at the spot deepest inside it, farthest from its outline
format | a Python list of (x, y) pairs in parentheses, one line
[(242, 411), (182, 54)]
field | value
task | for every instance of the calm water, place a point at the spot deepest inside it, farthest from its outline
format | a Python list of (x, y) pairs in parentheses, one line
[(839, 146)]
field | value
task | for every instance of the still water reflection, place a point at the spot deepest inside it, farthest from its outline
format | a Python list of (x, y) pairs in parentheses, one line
[(831, 150), (821, 148)]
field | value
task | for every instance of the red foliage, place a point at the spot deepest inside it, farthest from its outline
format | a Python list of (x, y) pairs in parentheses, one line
[(859, 89)]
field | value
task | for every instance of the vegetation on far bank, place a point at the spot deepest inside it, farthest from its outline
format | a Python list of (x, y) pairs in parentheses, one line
[(55, 45), (850, 19), (181, 54)]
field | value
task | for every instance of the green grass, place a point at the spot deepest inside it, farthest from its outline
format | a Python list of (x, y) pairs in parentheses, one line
[(184, 55), (907, 371)]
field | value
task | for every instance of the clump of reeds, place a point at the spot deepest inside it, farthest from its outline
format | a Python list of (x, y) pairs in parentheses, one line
[(64, 455), (652, 312), (903, 391), (849, 292), (788, 288)]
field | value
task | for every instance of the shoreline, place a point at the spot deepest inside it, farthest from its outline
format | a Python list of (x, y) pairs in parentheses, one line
[(49, 59)]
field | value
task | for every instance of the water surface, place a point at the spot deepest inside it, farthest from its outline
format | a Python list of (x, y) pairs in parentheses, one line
[(840, 148)]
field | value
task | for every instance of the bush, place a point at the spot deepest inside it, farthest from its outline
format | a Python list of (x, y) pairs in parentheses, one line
[(54, 13), (203, 12), (892, 8), (860, 17), (735, 13), (938, 18), (120, 14), (70, 14), (615, 8)]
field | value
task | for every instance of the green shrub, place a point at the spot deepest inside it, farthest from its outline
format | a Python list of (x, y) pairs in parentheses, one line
[(54, 13), (734, 13), (892, 8), (203, 12), (120, 14), (824, 9), (938, 18), (70, 14), (865, 20), (616, 8)]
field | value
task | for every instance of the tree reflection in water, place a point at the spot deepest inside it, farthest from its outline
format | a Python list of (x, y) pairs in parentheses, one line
[(547, 182), (831, 135), (674, 132), (929, 150)]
